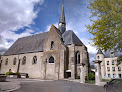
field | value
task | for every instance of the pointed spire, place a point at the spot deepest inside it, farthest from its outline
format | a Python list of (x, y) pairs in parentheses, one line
[(62, 23), (62, 17)]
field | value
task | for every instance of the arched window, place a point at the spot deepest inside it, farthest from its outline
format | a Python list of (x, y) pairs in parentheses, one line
[(52, 45), (77, 57), (6, 62), (51, 60), (24, 60), (34, 60), (14, 62)]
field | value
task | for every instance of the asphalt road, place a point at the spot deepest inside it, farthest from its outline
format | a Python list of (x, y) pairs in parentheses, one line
[(56, 86)]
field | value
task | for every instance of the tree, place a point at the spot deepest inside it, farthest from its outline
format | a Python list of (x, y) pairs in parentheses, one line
[(107, 24)]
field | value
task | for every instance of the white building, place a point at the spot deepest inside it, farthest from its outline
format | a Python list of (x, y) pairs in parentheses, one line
[(109, 68)]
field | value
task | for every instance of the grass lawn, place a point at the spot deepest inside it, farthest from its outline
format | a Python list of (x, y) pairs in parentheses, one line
[(90, 81), (93, 81), (106, 80)]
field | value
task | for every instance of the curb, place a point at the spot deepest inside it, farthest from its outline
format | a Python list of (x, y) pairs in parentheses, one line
[(9, 86)]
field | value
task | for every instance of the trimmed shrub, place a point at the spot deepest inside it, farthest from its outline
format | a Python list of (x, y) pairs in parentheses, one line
[(9, 73), (91, 76)]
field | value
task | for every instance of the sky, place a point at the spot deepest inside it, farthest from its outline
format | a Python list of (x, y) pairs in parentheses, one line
[(19, 18)]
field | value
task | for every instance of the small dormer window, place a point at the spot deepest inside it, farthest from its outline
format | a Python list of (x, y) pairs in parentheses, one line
[(112, 54), (52, 45)]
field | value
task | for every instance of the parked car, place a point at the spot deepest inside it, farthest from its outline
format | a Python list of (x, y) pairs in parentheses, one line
[(115, 85)]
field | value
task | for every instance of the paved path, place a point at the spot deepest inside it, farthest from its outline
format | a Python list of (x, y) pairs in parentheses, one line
[(56, 86)]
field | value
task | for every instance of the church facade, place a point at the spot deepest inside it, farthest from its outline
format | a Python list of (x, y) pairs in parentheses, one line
[(56, 54)]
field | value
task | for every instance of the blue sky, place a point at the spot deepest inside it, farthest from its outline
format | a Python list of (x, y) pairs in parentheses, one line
[(20, 18)]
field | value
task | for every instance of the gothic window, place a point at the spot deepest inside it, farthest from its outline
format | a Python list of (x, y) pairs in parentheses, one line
[(77, 57), (34, 60), (14, 62), (52, 45), (112, 54), (51, 60), (24, 60), (107, 62), (6, 62)]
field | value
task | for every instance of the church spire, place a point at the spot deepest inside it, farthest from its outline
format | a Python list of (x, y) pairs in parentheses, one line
[(62, 23), (62, 17)]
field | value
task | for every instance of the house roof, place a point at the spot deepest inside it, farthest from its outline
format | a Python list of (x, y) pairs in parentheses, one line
[(27, 44), (99, 52), (108, 53), (34, 43)]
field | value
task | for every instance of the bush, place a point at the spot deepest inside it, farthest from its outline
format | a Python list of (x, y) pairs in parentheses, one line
[(91, 76), (9, 73), (77, 77), (17, 73)]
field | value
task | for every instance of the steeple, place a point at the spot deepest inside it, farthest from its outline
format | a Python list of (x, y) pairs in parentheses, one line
[(62, 23)]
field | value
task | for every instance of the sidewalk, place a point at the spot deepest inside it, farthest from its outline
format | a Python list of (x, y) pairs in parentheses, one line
[(78, 80), (9, 86)]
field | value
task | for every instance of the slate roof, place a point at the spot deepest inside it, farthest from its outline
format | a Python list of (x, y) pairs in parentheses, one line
[(62, 16), (99, 52), (116, 53), (69, 37), (34, 43), (27, 44)]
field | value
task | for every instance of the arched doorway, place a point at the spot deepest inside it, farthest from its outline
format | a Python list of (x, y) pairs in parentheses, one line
[(50, 68)]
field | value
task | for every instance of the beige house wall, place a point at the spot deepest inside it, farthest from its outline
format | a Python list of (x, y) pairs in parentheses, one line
[(111, 72)]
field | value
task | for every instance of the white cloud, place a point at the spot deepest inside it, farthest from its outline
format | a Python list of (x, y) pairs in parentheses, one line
[(49, 26), (15, 14), (12, 36)]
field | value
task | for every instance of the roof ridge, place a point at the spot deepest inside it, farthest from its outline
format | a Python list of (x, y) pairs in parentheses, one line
[(32, 35)]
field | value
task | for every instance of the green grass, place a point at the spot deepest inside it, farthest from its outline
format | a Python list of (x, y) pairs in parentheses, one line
[(90, 81), (106, 80)]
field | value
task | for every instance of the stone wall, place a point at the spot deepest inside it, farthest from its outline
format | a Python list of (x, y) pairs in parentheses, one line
[(33, 70)]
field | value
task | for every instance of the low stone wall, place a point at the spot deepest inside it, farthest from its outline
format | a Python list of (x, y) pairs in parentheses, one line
[(2, 78)]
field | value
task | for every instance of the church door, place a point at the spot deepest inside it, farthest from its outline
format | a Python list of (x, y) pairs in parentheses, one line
[(50, 68)]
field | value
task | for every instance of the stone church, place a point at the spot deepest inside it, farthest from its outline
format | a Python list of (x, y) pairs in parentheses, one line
[(56, 54)]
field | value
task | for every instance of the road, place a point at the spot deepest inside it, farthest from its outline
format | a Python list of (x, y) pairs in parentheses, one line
[(56, 86)]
